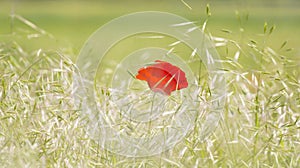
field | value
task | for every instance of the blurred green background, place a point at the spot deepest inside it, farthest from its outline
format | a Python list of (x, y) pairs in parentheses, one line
[(72, 22)]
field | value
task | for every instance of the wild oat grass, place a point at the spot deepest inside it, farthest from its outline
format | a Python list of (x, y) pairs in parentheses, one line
[(40, 124)]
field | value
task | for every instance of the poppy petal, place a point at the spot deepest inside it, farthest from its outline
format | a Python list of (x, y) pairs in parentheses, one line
[(163, 77)]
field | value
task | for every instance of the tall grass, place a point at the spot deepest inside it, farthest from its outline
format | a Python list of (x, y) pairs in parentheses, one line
[(40, 124)]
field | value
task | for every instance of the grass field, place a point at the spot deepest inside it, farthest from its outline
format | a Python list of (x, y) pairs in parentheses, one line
[(41, 123)]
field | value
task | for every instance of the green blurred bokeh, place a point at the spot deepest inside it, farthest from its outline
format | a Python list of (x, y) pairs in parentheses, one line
[(72, 22)]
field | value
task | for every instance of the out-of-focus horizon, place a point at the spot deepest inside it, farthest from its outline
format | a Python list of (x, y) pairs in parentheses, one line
[(72, 22)]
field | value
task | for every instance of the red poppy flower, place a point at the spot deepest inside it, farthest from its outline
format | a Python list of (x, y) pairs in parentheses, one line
[(163, 77)]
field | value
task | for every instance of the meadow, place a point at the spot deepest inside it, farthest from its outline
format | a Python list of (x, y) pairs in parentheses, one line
[(41, 124)]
